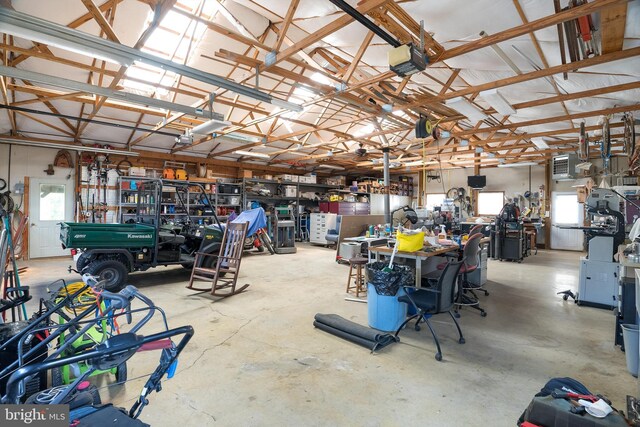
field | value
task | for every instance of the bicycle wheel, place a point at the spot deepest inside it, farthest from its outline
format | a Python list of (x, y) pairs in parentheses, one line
[(629, 134), (266, 240)]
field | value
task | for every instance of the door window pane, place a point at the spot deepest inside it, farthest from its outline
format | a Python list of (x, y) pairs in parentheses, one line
[(434, 199), (52, 202), (490, 203), (566, 209)]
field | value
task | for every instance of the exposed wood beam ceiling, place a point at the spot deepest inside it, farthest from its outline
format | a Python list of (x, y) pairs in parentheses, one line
[(341, 92)]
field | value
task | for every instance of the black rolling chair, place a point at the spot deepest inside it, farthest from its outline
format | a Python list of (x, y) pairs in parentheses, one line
[(438, 299)]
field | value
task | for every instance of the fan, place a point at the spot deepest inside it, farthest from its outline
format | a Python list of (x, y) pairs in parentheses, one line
[(361, 151)]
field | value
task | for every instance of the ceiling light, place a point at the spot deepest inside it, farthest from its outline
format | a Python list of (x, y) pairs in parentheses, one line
[(322, 165), (464, 143), (60, 43), (286, 105), (81, 148), (498, 102), (539, 142), (237, 137), (320, 78), (209, 127), (252, 154), (479, 150), (517, 165), (466, 108), (29, 26)]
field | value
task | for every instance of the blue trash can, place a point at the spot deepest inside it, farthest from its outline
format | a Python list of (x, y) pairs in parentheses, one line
[(386, 313)]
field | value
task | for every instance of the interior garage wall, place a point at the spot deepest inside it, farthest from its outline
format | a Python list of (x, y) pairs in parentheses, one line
[(512, 181), (17, 161)]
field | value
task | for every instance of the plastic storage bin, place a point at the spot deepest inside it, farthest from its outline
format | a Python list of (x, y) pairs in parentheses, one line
[(386, 313)]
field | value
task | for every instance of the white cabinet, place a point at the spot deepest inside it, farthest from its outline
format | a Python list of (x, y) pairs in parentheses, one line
[(319, 224), (598, 283)]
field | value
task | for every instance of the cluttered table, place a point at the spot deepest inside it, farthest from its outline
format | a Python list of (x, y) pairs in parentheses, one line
[(417, 256)]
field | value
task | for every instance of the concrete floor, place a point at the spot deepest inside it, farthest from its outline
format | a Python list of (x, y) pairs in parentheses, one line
[(256, 358)]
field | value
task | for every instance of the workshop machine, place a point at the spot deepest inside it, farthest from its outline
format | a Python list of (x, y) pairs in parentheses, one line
[(507, 236), (599, 276), (111, 251)]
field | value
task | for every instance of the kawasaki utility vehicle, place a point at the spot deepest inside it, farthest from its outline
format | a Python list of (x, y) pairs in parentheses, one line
[(164, 222)]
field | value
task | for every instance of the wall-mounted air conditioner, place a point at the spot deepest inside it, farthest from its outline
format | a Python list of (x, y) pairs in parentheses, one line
[(563, 168)]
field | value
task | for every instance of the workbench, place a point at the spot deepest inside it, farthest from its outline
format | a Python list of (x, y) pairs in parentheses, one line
[(417, 256)]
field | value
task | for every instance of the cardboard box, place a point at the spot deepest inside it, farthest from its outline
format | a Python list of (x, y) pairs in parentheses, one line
[(247, 173)]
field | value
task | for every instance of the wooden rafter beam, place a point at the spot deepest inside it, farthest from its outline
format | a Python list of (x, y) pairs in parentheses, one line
[(613, 21), (538, 24), (105, 26), (323, 32), (293, 6)]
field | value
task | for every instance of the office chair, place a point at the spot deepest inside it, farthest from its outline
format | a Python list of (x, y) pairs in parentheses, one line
[(471, 262), (436, 300), (476, 229)]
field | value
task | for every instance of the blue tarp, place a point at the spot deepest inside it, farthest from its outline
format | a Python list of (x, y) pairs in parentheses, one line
[(256, 217)]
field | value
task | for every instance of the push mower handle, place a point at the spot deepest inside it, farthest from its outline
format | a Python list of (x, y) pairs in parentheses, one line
[(13, 384)]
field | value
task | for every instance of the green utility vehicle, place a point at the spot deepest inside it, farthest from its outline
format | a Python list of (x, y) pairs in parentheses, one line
[(147, 236)]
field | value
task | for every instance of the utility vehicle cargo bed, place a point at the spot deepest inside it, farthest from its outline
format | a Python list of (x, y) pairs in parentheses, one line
[(83, 235)]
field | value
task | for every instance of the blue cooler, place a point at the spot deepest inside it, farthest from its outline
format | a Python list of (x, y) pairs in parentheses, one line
[(386, 313)]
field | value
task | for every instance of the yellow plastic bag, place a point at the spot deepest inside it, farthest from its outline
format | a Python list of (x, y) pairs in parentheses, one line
[(410, 242)]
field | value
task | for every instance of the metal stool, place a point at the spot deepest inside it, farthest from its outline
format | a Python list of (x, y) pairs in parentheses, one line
[(356, 278)]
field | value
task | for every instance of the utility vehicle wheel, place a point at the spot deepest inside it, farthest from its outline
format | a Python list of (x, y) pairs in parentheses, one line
[(261, 248), (112, 271), (121, 373), (210, 262)]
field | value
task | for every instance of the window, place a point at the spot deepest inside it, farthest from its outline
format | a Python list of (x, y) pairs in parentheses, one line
[(435, 199), (566, 209), (52, 202), (490, 203)]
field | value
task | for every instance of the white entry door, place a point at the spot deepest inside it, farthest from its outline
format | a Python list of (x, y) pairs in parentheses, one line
[(566, 212), (50, 202)]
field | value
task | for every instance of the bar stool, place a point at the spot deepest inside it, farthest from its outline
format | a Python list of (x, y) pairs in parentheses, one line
[(356, 278)]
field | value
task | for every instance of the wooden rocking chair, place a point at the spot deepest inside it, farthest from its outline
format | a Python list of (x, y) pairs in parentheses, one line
[(228, 263)]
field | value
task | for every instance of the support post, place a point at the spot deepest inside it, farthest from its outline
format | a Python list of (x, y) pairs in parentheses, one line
[(387, 201)]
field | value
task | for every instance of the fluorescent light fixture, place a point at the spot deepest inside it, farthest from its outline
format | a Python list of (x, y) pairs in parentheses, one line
[(325, 166), (36, 36), (37, 29), (286, 105), (320, 78), (466, 108), (252, 154), (237, 137), (498, 102), (539, 142), (88, 149), (209, 127), (517, 165)]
